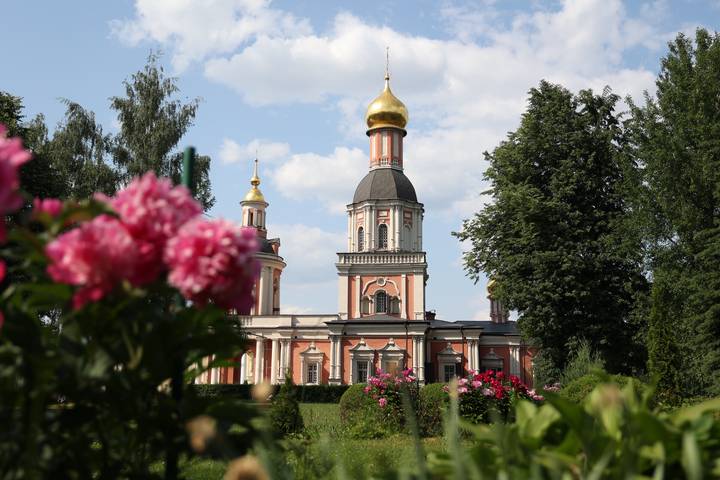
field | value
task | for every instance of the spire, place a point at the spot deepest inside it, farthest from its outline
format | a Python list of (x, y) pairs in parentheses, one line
[(387, 66), (386, 110), (255, 195)]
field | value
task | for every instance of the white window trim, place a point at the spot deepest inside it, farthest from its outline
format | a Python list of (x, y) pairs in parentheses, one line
[(448, 356), (361, 353), (309, 356)]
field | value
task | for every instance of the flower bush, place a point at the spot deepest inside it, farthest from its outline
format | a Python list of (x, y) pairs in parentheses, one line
[(387, 391), (485, 396), (97, 347)]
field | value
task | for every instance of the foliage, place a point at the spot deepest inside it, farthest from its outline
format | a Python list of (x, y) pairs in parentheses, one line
[(89, 396), (432, 405), (557, 235), (285, 417), (581, 363), (673, 142), (396, 396), (360, 415), (613, 435), (304, 393), (578, 389), (152, 124)]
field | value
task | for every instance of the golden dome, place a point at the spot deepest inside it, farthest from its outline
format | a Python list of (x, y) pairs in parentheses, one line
[(254, 194), (491, 286), (386, 110)]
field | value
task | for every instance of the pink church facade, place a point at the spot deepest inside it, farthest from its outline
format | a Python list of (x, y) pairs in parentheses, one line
[(382, 320)]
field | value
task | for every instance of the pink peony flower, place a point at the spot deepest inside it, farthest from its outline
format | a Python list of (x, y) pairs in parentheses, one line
[(476, 384), (462, 390), (49, 206), (214, 261), (382, 402), (153, 210), (488, 392), (96, 256), (12, 157)]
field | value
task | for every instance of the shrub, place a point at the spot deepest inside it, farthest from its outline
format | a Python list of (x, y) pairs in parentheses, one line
[(360, 415), (432, 406), (580, 388), (285, 417), (352, 402), (581, 363), (488, 396), (303, 393), (613, 434)]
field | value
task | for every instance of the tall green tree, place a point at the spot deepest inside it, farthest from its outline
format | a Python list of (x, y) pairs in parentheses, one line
[(80, 152), (676, 144), (152, 123), (39, 177), (557, 234)]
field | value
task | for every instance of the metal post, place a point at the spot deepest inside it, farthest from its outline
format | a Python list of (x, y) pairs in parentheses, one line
[(176, 382)]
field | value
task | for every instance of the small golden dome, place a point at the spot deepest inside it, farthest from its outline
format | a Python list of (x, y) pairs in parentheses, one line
[(386, 110), (491, 286), (254, 194)]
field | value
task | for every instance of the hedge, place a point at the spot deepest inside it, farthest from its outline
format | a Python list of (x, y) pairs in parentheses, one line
[(303, 393), (433, 403), (581, 387)]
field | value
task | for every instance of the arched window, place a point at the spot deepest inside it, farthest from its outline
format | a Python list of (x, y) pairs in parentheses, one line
[(361, 239), (381, 302), (382, 236)]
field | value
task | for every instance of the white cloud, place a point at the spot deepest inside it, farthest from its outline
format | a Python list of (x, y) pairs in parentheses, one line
[(198, 28), (232, 152), (464, 94), (310, 252), (325, 178)]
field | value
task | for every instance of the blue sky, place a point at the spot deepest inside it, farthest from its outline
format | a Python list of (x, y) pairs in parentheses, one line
[(292, 79)]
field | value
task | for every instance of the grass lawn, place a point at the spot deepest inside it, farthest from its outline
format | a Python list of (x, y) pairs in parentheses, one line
[(325, 447)]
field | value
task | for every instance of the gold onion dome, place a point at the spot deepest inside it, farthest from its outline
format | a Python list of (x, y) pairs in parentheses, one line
[(491, 286), (386, 110), (254, 194)]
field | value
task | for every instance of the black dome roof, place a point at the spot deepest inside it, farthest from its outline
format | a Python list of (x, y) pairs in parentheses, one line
[(385, 184), (265, 245)]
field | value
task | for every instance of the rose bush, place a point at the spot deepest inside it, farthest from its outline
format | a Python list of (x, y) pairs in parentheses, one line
[(485, 396), (93, 327)]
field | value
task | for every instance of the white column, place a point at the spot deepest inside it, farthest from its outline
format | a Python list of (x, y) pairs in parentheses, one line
[(333, 357), (415, 355), (403, 296), (274, 362), (515, 360), (358, 296), (398, 226), (286, 358), (351, 233), (243, 368), (343, 304), (259, 359), (421, 362)]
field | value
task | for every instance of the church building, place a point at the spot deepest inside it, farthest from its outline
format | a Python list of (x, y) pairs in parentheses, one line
[(382, 320)]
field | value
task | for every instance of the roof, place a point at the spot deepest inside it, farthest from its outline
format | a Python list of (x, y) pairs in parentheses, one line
[(385, 184), (265, 246), (487, 326), (508, 328)]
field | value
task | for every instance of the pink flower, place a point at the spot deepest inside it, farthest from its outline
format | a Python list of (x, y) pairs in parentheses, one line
[(476, 384), (12, 157), (382, 402), (48, 206), (462, 390), (488, 392), (153, 211), (96, 256), (214, 261)]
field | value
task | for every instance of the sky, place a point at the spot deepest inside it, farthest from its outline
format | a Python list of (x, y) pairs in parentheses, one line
[(291, 80)]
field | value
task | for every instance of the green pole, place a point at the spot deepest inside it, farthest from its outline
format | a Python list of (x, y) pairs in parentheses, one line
[(176, 382)]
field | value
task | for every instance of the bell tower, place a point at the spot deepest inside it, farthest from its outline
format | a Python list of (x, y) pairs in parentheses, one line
[(384, 270), (267, 285)]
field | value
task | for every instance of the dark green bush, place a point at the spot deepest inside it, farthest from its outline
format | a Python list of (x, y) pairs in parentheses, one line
[(304, 393), (360, 415), (285, 416), (578, 389), (433, 404)]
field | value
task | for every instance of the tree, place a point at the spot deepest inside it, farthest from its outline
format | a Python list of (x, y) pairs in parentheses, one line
[(557, 235), (674, 141), (151, 126), (79, 151), (40, 175)]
